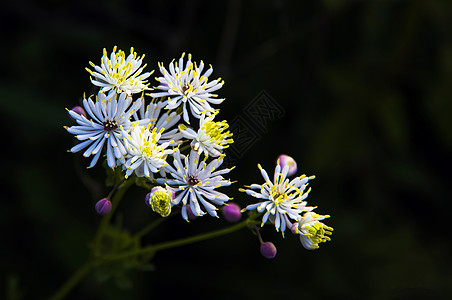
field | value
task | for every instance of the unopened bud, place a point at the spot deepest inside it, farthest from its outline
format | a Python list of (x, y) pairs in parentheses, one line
[(285, 160), (231, 212), (79, 110), (268, 250), (103, 207)]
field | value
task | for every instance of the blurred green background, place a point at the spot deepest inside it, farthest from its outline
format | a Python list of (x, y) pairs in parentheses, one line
[(366, 89)]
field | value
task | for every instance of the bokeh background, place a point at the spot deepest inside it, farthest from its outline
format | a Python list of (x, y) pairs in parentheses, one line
[(366, 89)]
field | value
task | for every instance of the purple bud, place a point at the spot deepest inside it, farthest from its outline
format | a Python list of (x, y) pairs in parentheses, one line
[(268, 250), (79, 110), (103, 207), (294, 228), (231, 212), (285, 160)]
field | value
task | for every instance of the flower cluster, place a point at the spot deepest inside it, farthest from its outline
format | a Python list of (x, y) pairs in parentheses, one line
[(145, 138), (148, 138), (282, 202)]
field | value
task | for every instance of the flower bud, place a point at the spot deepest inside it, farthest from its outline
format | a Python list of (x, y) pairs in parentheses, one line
[(268, 250), (294, 228), (79, 110), (231, 212), (285, 160), (103, 207)]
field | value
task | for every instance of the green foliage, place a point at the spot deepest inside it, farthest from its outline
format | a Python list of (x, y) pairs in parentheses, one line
[(111, 264), (114, 176), (143, 182), (13, 289)]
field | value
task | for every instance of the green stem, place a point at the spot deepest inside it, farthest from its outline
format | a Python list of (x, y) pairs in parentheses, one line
[(196, 238), (185, 147), (180, 242), (149, 227), (73, 281), (123, 187)]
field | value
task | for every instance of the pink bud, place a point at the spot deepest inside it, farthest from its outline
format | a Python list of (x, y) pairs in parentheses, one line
[(79, 110), (285, 160), (103, 207), (231, 212), (268, 250)]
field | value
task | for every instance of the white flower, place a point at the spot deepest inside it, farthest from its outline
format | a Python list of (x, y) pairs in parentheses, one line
[(144, 155), (110, 117), (120, 74), (151, 115), (311, 231), (196, 182), (283, 199), (185, 84), (211, 137)]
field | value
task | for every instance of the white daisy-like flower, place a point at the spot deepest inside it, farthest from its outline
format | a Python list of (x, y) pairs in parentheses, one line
[(120, 73), (196, 183), (211, 137), (145, 155), (110, 118), (151, 115), (283, 200), (311, 231), (184, 84)]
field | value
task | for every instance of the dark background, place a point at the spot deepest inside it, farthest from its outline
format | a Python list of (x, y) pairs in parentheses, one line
[(366, 90)]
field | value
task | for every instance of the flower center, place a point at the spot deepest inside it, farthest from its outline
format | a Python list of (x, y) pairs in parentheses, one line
[(216, 131), (110, 125), (186, 88), (279, 197), (193, 180), (150, 149), (317, 233)]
